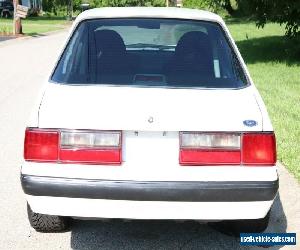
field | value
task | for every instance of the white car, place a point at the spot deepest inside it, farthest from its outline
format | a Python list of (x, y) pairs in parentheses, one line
[(150, 113)]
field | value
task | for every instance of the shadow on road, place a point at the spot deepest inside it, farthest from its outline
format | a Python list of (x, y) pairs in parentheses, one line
[(5, 38), (118, 234)]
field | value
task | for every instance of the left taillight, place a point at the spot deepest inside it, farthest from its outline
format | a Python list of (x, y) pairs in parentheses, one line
[(41, 145), (73, 146)]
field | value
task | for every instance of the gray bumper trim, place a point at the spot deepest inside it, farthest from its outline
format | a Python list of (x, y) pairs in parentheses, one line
[(228, 191)]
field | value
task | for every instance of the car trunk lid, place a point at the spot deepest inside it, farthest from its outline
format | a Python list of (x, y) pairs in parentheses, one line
[(149, 109)]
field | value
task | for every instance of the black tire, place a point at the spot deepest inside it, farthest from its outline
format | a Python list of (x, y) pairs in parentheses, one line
[(235, 227), (47, 223)]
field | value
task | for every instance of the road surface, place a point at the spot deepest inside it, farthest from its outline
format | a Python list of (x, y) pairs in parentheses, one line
[(5, 38), (24, 65)]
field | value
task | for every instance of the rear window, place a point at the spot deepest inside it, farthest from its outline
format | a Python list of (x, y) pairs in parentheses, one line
[(150, 52)]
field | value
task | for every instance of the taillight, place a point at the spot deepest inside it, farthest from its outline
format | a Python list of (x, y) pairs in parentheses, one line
[(209, 149), (41, 145), (259, 149), (73, 146), (101, 147), (250, 149)]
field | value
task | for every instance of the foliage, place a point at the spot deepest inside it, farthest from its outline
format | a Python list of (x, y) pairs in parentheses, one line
[(283, 12), (224, 4), (123, 3), (218, 6), (158, 3), (57, 7), (199, 4)]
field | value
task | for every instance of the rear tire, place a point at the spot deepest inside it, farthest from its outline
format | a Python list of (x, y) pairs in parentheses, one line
[(47, 223), (235, 227)]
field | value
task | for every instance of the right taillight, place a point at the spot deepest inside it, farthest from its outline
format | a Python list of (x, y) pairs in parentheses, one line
[(258, 149), (219, 148), (200, 149)]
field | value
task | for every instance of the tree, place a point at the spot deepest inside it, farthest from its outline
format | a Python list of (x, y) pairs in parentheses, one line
[(212, 5), (122, 3), (285, 12), (225, 4)]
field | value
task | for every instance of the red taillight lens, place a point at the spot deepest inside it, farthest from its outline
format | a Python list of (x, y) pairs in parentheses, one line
[(216, 157), (99, 156), (41, 145), (259, 149), (68, 146), (249, 149)]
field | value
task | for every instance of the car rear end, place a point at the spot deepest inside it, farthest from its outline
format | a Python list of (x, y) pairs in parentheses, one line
[(142, 127)]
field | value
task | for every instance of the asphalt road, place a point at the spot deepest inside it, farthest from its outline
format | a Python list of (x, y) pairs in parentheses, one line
[(23, 65), (5, 38)]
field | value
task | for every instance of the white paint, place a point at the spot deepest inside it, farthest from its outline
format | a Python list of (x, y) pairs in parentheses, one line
[(148, 12), (148, 209), (129, 108), (148, 170)]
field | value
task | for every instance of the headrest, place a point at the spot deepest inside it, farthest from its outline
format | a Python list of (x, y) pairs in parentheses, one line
[(193, 42), (109, 42)]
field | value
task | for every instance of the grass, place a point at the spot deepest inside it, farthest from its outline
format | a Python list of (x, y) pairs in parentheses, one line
[(276, 73), (35, 25)]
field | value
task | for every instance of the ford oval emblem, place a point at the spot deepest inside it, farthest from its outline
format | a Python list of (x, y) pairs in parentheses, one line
[(150, 120), (250, 123)]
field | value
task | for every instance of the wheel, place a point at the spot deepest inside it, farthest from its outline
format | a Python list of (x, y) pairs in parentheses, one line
[(235, 227), (47, 223)]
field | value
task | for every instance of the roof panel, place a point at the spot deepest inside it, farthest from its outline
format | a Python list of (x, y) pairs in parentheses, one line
[(149, 12)]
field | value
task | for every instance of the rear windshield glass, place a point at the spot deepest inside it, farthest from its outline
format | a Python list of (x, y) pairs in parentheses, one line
[(150, 52)]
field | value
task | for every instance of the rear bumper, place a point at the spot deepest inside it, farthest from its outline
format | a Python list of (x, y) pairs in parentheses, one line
[(174, 191)]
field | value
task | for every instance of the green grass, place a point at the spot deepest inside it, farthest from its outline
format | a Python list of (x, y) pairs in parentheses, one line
[(276, 73), (35, 25)]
